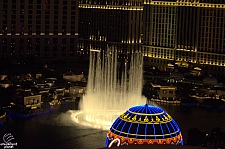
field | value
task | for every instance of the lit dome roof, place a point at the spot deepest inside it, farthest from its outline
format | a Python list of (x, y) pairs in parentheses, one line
[(144, 124), (209, 81)]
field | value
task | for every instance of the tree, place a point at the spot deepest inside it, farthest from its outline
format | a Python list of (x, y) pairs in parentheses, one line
[(195, 137), (5, 96), (217, 138)]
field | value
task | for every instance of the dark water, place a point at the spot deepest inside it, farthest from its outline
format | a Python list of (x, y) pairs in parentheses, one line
[(59, 132)]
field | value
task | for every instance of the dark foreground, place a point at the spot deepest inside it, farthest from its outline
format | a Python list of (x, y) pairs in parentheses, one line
[(57, 130)]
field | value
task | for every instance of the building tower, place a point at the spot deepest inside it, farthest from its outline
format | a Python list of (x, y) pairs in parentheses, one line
[(189, 31), (46, 29), (110, 22)]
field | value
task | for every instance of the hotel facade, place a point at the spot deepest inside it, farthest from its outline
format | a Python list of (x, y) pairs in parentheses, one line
[(191, 32), (188, 33), (115, 23), (46, 29), (167, 31)]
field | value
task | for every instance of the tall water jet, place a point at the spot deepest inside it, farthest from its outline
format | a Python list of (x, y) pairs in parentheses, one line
[(110, 91)]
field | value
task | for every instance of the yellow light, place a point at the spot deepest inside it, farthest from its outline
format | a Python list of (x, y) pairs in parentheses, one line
[(3, 115), (170, 65), (135, 8), (94, 50), (193, 4)]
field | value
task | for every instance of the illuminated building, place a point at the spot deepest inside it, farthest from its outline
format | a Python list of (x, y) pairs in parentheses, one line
[(27, 100), (144, 124), (107, 22), (185, 31), (45, 29)]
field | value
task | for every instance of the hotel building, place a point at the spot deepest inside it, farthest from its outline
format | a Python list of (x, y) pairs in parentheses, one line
[(46, 29), (191, 32), (115, 23), (168, 31)]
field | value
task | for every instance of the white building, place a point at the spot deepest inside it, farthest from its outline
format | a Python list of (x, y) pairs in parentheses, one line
[(28, 100), (167, 93)]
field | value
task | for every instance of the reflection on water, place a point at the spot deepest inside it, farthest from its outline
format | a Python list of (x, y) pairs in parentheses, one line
[(58, 131)]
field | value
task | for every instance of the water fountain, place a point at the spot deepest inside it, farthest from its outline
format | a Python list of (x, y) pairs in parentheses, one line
[(110, 92)]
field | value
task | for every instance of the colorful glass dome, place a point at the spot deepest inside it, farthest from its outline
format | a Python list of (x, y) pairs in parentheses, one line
[(144, 124)]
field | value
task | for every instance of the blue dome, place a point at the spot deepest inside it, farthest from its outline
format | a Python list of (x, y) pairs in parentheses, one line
[(144, 124)]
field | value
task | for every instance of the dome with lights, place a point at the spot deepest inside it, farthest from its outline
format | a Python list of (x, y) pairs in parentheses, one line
[(144, 124), (209, 81)]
